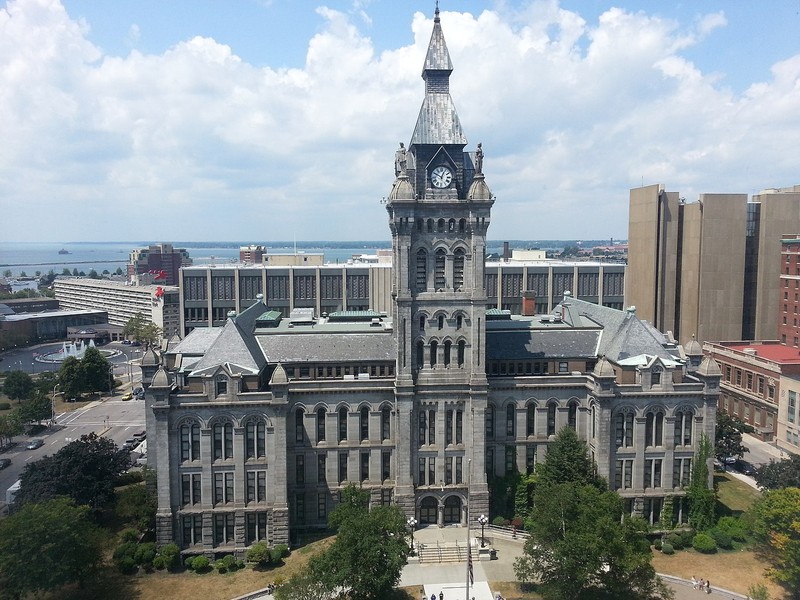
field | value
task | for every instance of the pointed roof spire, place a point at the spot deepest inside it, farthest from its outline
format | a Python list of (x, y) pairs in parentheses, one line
[(437, 58)]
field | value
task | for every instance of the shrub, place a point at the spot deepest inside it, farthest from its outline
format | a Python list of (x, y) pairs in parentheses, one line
[(658, 544), (704, 543), (188, 562), (500, 521), (275, 555), (230, 562), (4, 405), (259, 553), (284, 550), (159, 562), (201, 564), (722, 539), (220, 566), (145, 554), (675, 540), (171, 555), (126, 565), (128, 478), (687, 535), (125, 549), (240, 564), (667, 548), (734, 527), (129, 535)]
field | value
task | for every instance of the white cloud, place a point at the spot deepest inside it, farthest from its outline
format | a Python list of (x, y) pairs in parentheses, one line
[(196, 143)]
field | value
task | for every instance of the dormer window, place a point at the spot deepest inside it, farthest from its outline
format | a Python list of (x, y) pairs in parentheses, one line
[(655, 376), (221, 386)]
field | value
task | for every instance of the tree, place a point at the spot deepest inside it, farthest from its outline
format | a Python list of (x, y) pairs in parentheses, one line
[(7, 273), (74, 272), (702, 500), (95, 369), (84, 470), (66, 271), (728, 437), (137, 504), (45, 382), (118, 271), (568, 460), (781, 474), (70, 377), (776, 525), (369, 552), (581, 548), (39, 408), (18, 386), (9, 427), (142, 330), (44, 546)]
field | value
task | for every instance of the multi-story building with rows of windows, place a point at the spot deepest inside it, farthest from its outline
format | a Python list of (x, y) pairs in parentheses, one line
[(256, 425)]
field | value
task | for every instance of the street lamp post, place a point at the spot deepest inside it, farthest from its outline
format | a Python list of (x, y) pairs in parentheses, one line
[(483, 520), (412, 523), (128, 361), (111, 380), (53, 407)]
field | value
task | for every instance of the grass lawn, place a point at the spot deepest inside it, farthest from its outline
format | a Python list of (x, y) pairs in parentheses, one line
[(735, 496)]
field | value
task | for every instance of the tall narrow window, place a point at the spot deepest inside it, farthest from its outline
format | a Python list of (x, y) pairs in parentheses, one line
[(386, 421), (423, 427), (342, 467), (458, 270), (434, 352), (490, 422), (422, 270), (511, 412), (221, 385), (440, 321), (448, 427), (447, 346), (654, 429), (322, 468), (459, 427), (222, 441), (461, 352), (190, 442), (490, 462), (530, 420), (255, 439), (363, 424), (300, 469), (342, 424), (683, 427), (420, 354), (364, 466), (572, 415), (448, 470), (432, 427), (440, 281), (386, 465), (551, 419), (321, 425), (299, 430), (623, 425)]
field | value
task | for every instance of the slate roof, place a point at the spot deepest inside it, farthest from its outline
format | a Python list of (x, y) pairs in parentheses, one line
[(438, 57), (522, 344), (328, 347), (198, 341)]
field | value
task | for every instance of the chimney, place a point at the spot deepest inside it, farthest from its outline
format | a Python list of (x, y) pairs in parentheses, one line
[(528, 304)]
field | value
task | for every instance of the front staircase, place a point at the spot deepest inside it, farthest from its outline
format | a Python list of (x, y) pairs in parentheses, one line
[(445, 552)]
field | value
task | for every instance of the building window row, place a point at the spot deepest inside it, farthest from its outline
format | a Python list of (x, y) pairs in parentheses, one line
[(255, 445)]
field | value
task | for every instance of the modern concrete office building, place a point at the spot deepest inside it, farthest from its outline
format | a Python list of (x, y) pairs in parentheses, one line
[(208, 292), (709, 268), (160, 304), (158, 258), (255, 425)]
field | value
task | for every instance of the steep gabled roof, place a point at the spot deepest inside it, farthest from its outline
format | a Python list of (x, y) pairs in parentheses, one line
[(235, 348)]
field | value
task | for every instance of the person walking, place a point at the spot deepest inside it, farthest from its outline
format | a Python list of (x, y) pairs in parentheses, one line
[(694, 583), (708, 586)]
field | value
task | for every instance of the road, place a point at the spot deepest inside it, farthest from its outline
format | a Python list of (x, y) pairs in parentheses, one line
[(114, 418)]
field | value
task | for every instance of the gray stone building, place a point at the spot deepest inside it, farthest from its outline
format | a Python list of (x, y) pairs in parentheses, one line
[(256, 425)]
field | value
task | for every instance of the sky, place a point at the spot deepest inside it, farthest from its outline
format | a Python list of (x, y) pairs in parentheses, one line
[(259, 120)]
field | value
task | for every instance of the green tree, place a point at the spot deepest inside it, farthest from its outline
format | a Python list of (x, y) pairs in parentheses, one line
[(45, 382), (84, 470), (568, 460), (118, 271), (7, 273), (75, 272), (44, 546), (137, 504), (702, 498), (776, 524), (39, 408), (18, 385), (142, 330), (10, 426), (66, 271), (581, 548), (95, 369), (70, 377), (23, 274), (370, 550), (781, 474), (728, 436)]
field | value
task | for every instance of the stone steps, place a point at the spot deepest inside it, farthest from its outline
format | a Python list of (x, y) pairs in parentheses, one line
[(449, 552)]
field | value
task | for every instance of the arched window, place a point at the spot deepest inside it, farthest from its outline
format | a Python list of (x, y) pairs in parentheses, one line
[(422, 270), (363, 424), (654, 429), (447, 346), (530, 420), (551, 419), (423, 427), (420, 224), (511, 412), (440, 321), (623, 426), (255, 439), (221, 385), (190, 441), (462, 345), (342, 424), (222, 434), (299, 429), (440, 281), (459, 427), (462, 225), (490, 422), (386, 423), (430, 225), (458, 269), (321, 424), (459, 321), (420, 354), (572, 415), (451, 225), (434, 350), (422, 323), (440, 225), (655, 376), (683, 427)]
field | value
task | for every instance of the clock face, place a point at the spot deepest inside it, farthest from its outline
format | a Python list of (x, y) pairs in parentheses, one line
[(441, 177)]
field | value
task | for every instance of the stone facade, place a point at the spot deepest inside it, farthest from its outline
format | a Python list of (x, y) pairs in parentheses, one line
[(256, 426)]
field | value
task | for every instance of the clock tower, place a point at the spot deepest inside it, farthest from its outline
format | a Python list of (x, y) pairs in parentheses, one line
[(439, 209)]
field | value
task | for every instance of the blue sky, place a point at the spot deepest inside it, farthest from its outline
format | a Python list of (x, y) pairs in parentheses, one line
[(273, 119)]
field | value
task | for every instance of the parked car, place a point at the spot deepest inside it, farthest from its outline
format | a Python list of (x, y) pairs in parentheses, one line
[(140, 436), (136, 343), (130, 444), (128, 396), (126, 342), (745, 468), (34, 444), (4, 462)]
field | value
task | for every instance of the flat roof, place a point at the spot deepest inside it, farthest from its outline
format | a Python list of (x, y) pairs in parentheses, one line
[(55, 314), (775, 352), (109, 284)]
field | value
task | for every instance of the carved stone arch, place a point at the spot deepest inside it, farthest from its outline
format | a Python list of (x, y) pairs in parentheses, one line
[(300, 405), (625, 409), (222, 418), (685, 408), (655, 408), (384, 405), (363, 404), (342, 404), (320, 404), (553, 400), (532, 401), (253, 416), (191, 420)]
